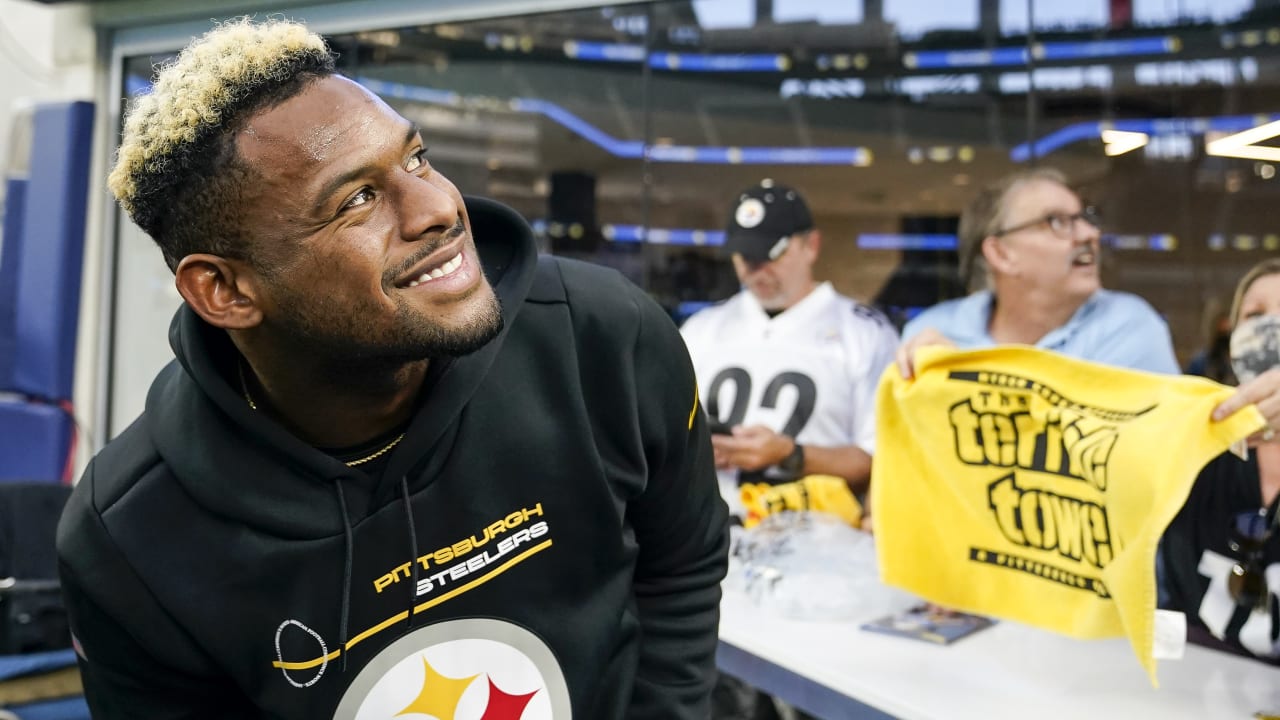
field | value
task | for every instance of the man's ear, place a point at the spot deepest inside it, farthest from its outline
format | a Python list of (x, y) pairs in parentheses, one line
[(223, 292), (815, 243), (997, 255)]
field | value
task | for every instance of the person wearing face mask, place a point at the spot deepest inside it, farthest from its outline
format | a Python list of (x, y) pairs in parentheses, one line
[(787, 367), (1220, 557), (1038, 246)]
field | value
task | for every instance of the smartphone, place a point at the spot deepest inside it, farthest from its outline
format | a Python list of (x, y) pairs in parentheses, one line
[(719, 428)]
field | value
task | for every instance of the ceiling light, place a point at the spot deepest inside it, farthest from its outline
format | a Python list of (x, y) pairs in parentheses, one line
[(1119, 142), (1245, 144)]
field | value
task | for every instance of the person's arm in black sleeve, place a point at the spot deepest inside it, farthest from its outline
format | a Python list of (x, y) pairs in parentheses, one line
[(681, 526), (123, 679)]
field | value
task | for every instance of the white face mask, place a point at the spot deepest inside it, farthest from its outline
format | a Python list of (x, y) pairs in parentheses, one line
[(1255, 346)]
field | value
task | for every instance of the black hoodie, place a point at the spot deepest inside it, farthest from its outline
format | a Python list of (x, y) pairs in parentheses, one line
[(556, 488)]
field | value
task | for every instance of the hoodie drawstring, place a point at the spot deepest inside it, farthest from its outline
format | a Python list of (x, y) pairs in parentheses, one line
[(413, 546), (349, 562), (346, 572)]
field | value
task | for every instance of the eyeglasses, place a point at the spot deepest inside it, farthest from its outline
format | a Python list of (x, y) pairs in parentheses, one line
[(1247, 581), (1061, 224)]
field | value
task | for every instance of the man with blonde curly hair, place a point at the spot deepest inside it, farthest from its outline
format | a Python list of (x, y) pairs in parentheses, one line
[(401, 465)]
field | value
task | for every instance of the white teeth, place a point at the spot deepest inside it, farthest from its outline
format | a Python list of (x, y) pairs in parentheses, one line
[(447, 268)]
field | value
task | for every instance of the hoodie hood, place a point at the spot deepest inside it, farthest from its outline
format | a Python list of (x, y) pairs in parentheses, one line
[(250, 469)]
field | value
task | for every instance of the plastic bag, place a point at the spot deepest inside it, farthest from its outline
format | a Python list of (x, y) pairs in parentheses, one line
[(811, 566)]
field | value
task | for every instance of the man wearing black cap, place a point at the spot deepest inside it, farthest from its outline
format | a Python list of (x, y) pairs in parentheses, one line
[(787, 367)]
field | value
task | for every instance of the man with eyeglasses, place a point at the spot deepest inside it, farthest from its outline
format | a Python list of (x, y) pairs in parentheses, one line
[(1039, 248)]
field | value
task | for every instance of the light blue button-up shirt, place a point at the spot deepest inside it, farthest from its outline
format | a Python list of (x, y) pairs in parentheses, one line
[(1111, 327)]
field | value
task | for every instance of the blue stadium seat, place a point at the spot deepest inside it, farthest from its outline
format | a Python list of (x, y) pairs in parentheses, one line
[(40, 270), (15, 198), (52, 251), (35, 439)]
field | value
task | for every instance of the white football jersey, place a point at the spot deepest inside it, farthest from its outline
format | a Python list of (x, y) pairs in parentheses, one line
[(809, 373)]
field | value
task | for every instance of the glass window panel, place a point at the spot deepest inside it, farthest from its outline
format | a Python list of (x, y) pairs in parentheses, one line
[(914, 18), (825, 12), (1184, 217), (1180, 12), (724, 14), (1054, 15), (884, 145)]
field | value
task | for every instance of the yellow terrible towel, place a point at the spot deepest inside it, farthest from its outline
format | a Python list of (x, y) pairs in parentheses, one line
[(1022, 484)]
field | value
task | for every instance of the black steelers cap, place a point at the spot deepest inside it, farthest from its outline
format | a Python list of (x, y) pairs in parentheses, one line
[(763, 218)]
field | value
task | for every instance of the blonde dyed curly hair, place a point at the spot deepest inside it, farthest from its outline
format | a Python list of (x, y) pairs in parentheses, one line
[(176, 172)]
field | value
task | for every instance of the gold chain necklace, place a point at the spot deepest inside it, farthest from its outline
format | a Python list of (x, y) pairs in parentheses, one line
[(244, 388)]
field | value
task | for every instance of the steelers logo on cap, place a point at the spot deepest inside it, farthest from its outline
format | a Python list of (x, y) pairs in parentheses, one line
[(750, 213)]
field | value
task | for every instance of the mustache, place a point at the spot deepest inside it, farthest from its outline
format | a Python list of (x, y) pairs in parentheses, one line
[(453, 233), (1083, 250)]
